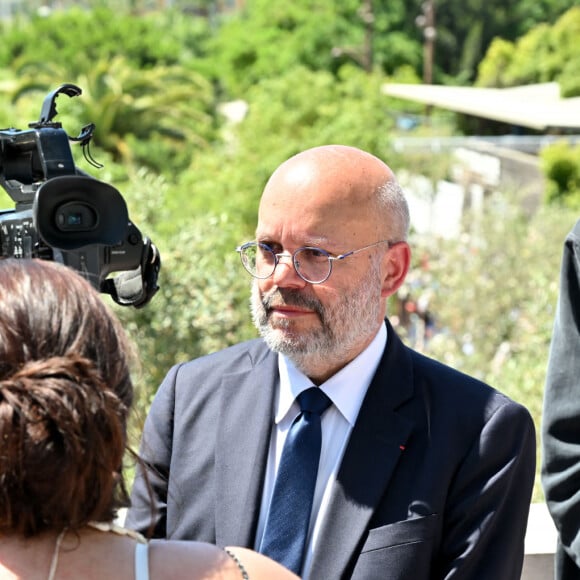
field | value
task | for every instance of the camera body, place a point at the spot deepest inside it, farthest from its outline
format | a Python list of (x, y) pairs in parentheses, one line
[(63, 214)]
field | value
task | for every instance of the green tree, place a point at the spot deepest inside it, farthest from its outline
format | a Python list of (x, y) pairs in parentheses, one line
[(75, 39), (466, 29), (282, 119), (156, 117), (546, 53), (268, 38), (491, 70)]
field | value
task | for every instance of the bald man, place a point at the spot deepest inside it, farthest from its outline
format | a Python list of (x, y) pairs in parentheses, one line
[(424, 472)]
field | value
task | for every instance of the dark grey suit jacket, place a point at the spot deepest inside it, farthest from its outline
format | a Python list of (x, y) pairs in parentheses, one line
[(435, 481), (561, 415)]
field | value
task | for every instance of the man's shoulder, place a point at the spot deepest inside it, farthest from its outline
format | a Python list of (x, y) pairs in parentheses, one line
[(464, 390), (249, 352), (423, 363), (205, 373)]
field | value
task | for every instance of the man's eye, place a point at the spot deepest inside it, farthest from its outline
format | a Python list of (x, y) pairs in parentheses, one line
[(272, 246), (314, 254)]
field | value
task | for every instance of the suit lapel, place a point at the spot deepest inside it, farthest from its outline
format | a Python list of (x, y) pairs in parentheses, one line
[(375, 445), (242, 448)]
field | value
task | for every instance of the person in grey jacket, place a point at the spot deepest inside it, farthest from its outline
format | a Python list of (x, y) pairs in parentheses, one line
[(561, 415)]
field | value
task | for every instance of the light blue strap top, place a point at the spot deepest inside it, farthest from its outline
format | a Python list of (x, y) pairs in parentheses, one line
[(141, 561)]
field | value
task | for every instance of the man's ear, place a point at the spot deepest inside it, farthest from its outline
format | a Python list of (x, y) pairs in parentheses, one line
[(396, 265)]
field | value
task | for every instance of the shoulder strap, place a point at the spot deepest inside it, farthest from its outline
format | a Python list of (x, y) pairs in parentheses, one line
[(141, 561)]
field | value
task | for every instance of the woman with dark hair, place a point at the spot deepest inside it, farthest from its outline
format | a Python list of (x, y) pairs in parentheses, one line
[(65, 395)]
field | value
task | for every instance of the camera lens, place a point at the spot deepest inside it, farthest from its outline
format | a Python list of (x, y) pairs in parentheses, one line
[(75, 216), (74, 219)]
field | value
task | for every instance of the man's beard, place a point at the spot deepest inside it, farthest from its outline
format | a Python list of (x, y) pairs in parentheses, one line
[(342, 327)]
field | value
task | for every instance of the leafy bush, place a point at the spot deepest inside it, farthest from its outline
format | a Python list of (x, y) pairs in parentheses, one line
[(561, 166)]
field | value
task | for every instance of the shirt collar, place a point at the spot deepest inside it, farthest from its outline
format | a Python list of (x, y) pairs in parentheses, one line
[(346, 388)]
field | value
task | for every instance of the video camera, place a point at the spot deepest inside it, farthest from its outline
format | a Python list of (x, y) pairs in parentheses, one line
[(65, 215)]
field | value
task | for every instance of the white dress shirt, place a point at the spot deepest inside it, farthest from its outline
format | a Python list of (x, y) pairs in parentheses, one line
[(346, 389)]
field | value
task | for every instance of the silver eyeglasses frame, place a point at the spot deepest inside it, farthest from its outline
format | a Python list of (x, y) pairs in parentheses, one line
[(296, 263)]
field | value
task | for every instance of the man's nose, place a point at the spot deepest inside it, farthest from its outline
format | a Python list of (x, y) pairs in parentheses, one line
[(285, 274)]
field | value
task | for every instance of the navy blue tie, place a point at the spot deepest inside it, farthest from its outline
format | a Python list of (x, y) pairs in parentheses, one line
[(288, 520)]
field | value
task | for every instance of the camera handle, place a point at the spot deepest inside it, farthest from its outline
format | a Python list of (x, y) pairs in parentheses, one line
[(48, 111)]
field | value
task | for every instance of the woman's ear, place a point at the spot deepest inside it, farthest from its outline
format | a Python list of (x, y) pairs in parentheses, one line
[(396, 263)]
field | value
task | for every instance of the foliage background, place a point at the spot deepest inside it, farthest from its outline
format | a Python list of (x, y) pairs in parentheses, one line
[(195, 108)]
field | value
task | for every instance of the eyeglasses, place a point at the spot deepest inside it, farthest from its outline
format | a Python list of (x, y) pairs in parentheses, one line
[(313, 265)]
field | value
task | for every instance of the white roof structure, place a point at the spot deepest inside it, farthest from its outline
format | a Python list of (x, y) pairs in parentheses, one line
[(538, 106)]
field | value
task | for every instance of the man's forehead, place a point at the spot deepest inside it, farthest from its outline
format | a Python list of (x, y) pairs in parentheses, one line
[(314, 187)]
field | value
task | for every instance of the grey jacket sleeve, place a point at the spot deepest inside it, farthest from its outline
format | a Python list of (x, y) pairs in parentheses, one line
[(561, 414)]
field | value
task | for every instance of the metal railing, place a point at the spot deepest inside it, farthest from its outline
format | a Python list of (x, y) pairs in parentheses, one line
[(522, 143)]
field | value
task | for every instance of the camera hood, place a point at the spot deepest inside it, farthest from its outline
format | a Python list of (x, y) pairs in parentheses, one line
[(73, 211)]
